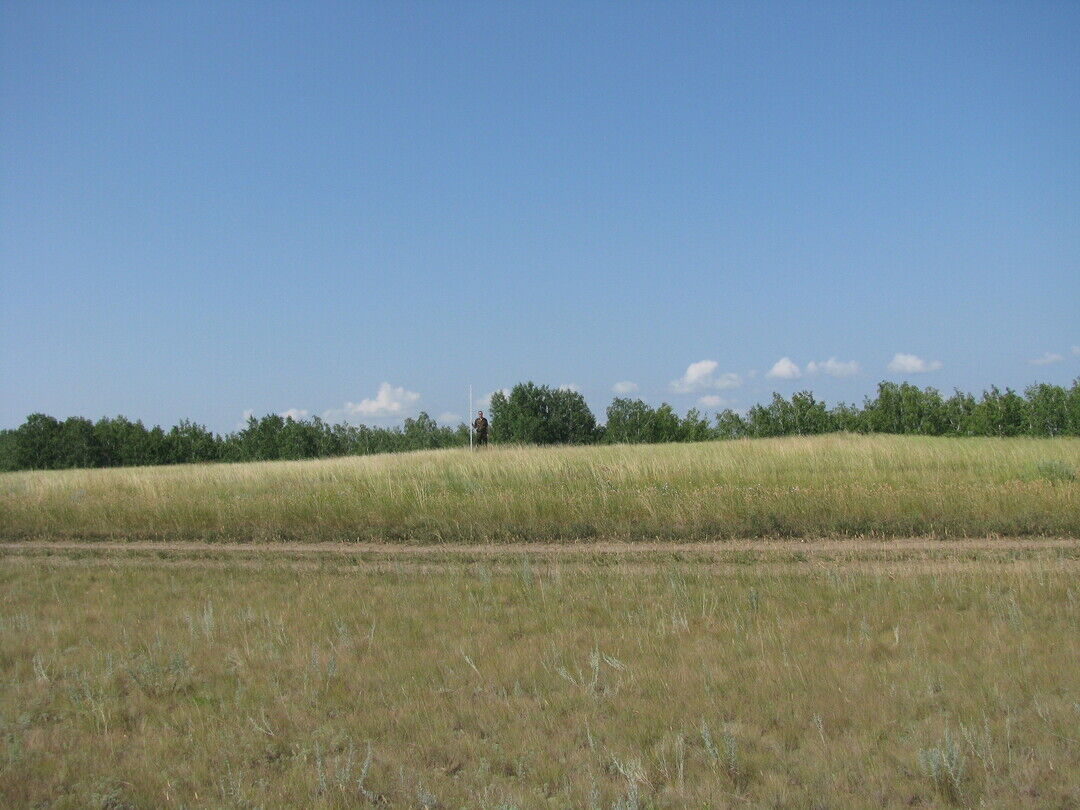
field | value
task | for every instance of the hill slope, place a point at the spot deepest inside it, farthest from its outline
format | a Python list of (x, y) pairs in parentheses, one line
[(836, 485)]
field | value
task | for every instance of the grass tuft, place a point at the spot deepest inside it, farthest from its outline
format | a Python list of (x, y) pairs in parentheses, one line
[(945, 765), (1055, 471)]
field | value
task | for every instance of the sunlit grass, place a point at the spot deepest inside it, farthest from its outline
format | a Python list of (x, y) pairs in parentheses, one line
[(836, 485), (533, 686)]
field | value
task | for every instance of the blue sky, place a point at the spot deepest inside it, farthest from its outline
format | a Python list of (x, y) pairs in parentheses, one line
[(359, 209)]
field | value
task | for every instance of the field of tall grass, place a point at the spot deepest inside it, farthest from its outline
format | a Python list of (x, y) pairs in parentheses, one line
[(835, 485), (134, 684), (487, 673)]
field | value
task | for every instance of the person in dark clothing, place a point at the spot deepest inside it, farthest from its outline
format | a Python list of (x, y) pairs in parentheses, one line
[(480, 427)]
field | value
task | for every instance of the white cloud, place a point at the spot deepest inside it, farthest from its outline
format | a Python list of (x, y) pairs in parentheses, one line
[(912, 364), (389, 401), (294, 413), (712, 401), (484, 402), (449, 418), (624, 387), (248, 413), (833, 367), (702, 375), (697, 374), (784, 369), (569, 387), (1046, 359)]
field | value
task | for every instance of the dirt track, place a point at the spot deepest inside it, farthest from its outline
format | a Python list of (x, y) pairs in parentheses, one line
[(886, 557), (853, 547)]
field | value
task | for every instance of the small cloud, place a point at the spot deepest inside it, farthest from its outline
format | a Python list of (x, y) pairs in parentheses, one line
[(624, 387), (449, 418), (702, 375), (1046, 359), (389, 401), (784, 369), (912, 364), (484, 402), (248, 413), (834, 367), (295, 414), (696, 375), (712, 401), (570, 387)]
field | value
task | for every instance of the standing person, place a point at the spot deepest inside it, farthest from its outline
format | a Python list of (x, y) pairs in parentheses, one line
[(480, 426)]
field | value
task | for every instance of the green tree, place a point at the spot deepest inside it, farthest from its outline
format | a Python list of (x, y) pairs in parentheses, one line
[(1072, 407), (297, 439), (9, 450), (1000, 413), (538, 414), (37, 443), (775, 419), (628, 422), (695, 427), (904, 408), (188, 442), (809, 415), (959, 410), (847, 418), (123, 443), (571, 421), (1047, 409), (423, 433), (665, 425), (729, 425), (78, 445), (259, 440)]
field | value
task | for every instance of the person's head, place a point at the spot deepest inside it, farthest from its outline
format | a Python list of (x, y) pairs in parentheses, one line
[(480, 414)]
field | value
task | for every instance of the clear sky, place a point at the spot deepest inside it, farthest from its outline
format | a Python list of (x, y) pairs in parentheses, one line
[(359, 209)]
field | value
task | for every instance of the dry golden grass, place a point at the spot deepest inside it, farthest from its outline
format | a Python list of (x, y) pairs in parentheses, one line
[(834, 485), (524, 685), (606, 675)]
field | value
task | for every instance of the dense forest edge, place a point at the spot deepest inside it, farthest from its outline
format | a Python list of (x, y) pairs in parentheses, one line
[(540, 414)]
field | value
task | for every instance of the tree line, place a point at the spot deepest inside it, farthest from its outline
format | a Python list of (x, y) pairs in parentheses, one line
[(540, 414), (45, 443)]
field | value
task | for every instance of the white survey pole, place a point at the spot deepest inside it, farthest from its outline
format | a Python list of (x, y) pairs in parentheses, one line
[(468, 420)]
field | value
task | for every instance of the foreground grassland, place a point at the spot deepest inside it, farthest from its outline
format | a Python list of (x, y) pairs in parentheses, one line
[(520, 682), (796, 487)]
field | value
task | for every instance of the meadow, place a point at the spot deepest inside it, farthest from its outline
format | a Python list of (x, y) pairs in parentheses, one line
[(837, 485), (518, 682), (802, 622)]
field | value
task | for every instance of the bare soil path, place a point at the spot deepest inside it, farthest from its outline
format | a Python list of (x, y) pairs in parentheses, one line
[(888, 557), (811, 546)]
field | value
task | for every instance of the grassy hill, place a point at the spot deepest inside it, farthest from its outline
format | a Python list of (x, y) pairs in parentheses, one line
[(835, 485)]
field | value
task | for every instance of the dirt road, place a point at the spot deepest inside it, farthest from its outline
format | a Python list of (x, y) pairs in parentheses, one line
[(802, 546), (911, 555)]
